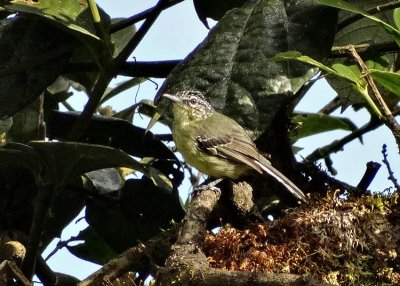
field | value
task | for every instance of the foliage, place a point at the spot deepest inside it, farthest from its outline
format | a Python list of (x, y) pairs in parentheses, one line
[(254, 65)]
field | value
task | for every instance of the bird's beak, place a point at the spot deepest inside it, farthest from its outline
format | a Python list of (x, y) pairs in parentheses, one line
[(173, 98)]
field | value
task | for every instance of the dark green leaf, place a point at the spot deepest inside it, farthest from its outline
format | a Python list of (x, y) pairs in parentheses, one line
[(5, 125), (396, 17), (361, 32), (340, 4), (122, 135), (21, 156), (315, 123), (27, 68), (233, 67), (64, 160), (121, 38), (122, 86), (104, 180), (214, 9), (93, 248), (388, 80), (69, 14), (142, 212)]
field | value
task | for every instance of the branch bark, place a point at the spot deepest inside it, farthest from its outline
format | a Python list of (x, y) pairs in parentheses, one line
[(187, 264)]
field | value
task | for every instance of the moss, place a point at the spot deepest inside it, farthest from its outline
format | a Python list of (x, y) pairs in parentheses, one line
[(353, 241)]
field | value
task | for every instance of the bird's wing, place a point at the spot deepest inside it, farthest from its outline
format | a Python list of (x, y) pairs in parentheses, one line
[(235, 146)]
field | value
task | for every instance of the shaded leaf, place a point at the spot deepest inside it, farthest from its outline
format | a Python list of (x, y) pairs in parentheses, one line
[(122, 135), (214, 9), (315, 123), (122, 86), (64, 160), (5, 125), (142, 212), (121, 38), (93, 248), (21, 156), (26, 67), (104, 180), (363, 31), (71, 15), (396, 17), (340, 4), (388, 80), (67, 203), (232, 64)]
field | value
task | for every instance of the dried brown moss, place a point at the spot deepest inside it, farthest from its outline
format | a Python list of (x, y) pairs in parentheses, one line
[(342, 242)]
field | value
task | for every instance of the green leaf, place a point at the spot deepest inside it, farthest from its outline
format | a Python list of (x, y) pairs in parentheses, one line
[(70, 15), (396, 17), (232, 65), (5, 125), (121, 38), (388, 80), (315, 123), (142, 212), (26, 67), (22, 156), (121, 87), (120, 134), (360, 32), (93, 248), (214, 9), (64, 160), (352, 73), (64, 12), (393, 32)]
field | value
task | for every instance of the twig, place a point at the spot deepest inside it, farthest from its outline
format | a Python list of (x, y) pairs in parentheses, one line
[(141, 258), (387, 164), (374, 10), (144, 28), (365, 49), (138, 17), (160, 69), (96, 19), (110, 71), (42, 205), (388, 117), (378, 99), (338, 145), (369, 175)]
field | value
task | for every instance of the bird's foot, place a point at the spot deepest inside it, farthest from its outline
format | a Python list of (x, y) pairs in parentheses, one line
[(208, 185)]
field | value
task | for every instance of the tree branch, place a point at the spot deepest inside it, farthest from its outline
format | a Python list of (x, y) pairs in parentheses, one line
[(141, 258), (117, 26), (388, 117), (338, 145), (365, 49), (159, 69)]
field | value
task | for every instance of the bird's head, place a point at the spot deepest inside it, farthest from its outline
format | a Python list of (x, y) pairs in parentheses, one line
[(190, 105)]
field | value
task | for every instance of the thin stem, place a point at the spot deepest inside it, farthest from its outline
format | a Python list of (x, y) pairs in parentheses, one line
[(96, 19), (108, 73), (42, 206), (138, 17), (144, 28)]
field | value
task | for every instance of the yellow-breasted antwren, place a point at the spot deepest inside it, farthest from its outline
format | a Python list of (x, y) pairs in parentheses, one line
[(215, 144)]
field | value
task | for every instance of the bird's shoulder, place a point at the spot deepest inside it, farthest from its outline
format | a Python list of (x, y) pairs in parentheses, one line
[(223, 135)]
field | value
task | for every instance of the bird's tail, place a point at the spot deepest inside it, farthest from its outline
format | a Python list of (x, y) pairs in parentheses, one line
[(288, 184)]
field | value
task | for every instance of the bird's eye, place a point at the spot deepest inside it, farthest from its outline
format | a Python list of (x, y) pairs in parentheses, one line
[(193, 101)]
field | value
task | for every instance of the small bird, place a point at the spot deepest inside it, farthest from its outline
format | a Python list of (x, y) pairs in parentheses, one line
[(215, 144)]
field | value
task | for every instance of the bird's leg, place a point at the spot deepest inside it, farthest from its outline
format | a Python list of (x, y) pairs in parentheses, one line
[(210, 183)]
